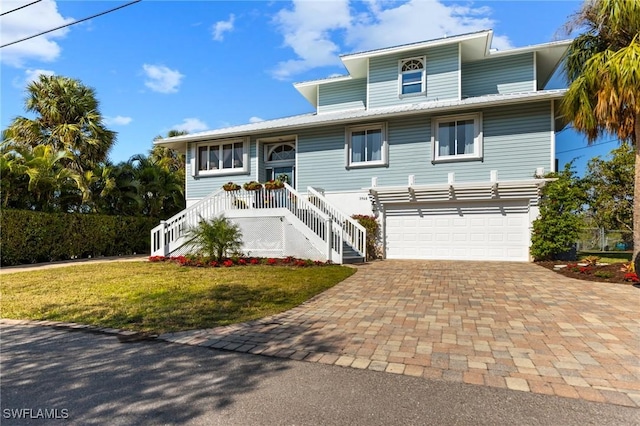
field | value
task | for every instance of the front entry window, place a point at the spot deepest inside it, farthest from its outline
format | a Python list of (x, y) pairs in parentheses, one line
[(280, 162)]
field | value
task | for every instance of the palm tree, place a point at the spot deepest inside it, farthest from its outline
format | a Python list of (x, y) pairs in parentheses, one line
[(603, 69), (47, 177), (67, 118)]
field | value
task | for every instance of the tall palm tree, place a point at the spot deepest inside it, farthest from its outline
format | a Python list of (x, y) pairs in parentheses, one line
[(603, 68), (67, 118)]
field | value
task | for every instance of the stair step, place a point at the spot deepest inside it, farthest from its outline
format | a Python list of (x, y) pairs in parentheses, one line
[(352, 259)]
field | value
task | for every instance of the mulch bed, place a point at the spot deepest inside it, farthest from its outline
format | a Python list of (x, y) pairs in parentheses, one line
[(611, 273)]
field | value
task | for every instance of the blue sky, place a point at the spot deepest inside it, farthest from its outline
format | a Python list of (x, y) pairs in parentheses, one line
[(200, 65)]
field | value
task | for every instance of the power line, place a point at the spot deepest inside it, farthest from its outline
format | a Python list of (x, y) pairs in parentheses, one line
[(72, 23), (588, 146), (21, 7)]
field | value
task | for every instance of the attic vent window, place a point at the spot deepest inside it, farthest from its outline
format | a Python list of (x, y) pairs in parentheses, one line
[(412, 78)]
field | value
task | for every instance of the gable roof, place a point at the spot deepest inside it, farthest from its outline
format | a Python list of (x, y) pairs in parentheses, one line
[(309, 120), (474, 47)]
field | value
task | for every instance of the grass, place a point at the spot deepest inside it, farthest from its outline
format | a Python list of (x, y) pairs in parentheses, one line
[(608, 256), (161, 297)]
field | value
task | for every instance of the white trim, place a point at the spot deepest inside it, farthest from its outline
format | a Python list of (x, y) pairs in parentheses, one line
[(295, 165), (366, 107), (459, 71), (384, 149), (423, 76), (245, 169), (416, 46), (477, 138), (535, 71), (553, 137)]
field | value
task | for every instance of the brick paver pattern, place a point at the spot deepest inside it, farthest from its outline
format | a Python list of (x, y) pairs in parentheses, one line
[(509, 325)]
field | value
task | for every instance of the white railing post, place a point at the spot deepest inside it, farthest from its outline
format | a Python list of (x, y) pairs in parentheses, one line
[(329, 236), (163, 238)]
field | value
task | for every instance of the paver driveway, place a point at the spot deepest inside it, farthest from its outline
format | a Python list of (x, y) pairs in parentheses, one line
[(510, 325)]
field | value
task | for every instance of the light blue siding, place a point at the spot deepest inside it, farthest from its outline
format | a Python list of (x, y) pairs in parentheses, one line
[(517, 140), (342, 95), (442, 71), (201, 186), (498, 75)]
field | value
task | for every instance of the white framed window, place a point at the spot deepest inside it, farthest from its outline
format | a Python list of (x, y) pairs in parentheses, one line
[(411, 76), (367, 145), (457, 138), (223, 157)]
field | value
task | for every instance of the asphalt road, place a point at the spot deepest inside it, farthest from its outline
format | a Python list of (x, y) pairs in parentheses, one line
[(88, 378)]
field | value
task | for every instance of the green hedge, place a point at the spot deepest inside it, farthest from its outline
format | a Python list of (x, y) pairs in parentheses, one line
[(32, 237)]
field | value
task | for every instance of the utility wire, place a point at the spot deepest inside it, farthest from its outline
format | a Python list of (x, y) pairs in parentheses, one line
[(72, 23), (21, 7), (588, 146)]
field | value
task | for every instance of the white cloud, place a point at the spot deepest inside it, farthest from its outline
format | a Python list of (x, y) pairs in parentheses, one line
[(118, 120), (26, 22), (221, 27), (307, 29), (191, 125), (255, 119), (30, 75), (162, 79), (316, 30)]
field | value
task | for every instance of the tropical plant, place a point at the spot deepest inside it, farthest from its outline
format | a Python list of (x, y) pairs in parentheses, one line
[(610, 189), (603, 68), (67, 119), (558, 226), (372, 227), (216, 238), (274, 184)]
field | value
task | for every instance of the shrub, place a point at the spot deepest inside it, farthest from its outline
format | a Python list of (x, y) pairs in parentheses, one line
[(32, 237), (372, 227), (603, 274), (557, 228), (216, 238)]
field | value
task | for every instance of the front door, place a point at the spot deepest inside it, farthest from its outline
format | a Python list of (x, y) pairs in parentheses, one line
[(280, 161), (283, 173)]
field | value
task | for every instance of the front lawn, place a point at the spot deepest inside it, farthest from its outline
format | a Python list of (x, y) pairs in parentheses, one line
[(161, 297)]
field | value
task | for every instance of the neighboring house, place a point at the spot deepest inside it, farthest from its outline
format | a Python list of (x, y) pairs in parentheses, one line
[(444, 140)]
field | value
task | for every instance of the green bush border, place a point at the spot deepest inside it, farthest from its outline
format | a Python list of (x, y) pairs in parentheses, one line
[(33, 237)]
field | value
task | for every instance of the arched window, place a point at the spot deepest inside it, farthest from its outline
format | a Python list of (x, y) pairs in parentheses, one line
[(412, 76), (281, 152)]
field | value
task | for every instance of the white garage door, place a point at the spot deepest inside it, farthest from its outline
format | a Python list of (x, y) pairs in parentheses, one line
[(469, 231)]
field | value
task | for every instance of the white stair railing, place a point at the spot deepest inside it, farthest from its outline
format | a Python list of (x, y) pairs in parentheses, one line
[(352, 232), (169, 235)]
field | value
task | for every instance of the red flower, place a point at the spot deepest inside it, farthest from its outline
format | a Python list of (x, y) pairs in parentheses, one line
[(272, 261), (254, 261), (585, 269), (156, 259), (213, 263), (631, 276), (227, 263), (242, 262)]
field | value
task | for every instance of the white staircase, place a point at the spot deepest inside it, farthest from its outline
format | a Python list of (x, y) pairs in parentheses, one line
[(315, 221)]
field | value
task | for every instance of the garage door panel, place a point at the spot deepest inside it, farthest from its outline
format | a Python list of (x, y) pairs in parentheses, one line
[(474, 231)]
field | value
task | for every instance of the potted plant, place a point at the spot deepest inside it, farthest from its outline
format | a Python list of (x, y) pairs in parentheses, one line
[(273, 184), (230, 186), (252, 186)]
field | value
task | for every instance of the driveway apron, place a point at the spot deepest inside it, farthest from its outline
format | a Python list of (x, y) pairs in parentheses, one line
[(508, 325)]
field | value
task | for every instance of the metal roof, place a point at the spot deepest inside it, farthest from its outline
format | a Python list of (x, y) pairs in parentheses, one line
[(313, 119)]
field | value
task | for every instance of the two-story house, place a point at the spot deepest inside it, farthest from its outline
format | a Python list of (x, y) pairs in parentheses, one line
[(445, 141)]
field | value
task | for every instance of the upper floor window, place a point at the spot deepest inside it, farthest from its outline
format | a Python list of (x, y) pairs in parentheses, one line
[(223, 157), (412, 76), (457, 137), (366, 145)]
